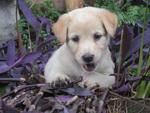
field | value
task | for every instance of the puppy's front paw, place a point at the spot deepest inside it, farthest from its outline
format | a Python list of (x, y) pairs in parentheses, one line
[(58, 80), (61, 83), (88, 83), (104, 81)]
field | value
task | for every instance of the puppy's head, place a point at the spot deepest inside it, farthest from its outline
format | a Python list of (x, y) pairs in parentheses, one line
[(86, 31)]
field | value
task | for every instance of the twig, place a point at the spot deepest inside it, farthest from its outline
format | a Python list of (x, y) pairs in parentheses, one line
[(22, 87), (38, 97), (29, 34), (18, 33), (72, 100), (101, 103), (7, 94), (125, 98), (12, 79)]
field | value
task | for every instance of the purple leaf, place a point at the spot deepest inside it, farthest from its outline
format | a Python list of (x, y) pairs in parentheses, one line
[(30, 57), (124, 88), (126, 42), (132, 78), (16, 76), (78, 91), (66, 110), (135, 43), (47, 22), (42, 44), (4, 67), (23, 60), (63, 98), (17, 72), (29, 16), (11, 52)]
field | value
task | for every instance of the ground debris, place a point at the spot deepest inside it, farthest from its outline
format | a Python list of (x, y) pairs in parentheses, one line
[(55, 100)]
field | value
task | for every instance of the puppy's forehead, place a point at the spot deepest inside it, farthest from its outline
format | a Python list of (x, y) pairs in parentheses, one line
[(83, 14), (87, 10), (85, 23), (83, 17)]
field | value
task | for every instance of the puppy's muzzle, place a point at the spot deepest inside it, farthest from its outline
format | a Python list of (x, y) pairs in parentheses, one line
[(88, 58), (89, 64)]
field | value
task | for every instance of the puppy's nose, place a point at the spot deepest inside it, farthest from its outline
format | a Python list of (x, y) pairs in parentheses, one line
[(88, 58)]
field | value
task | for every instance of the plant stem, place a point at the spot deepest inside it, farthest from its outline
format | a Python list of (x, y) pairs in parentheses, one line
[(120, 57), (141, 87), (147, 89)]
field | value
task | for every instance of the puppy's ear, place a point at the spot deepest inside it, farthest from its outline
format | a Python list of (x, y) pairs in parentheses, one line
[(60, 27), (110, 21)]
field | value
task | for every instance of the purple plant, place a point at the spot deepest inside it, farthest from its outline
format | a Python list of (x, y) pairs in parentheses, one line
[(22, 76)]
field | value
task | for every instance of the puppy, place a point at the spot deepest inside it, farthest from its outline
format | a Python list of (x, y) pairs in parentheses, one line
[(85, 34)]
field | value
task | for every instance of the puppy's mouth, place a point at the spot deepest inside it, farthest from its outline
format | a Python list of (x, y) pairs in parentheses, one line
[(89, 67)]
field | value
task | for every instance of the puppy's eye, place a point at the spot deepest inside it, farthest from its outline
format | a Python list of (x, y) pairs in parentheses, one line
[(97, 36), (75, 38)]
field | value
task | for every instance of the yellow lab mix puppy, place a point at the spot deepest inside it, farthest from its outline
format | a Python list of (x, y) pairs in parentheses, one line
[(85, 33)]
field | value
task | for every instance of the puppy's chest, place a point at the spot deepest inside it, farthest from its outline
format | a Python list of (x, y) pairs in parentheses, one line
[(74, 70)]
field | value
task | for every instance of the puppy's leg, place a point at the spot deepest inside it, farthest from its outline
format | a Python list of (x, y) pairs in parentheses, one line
[(54, 77), (94, 78), (57, 69), (57, 79)]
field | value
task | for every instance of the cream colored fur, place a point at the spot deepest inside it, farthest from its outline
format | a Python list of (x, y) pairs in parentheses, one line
[(67, 63)]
